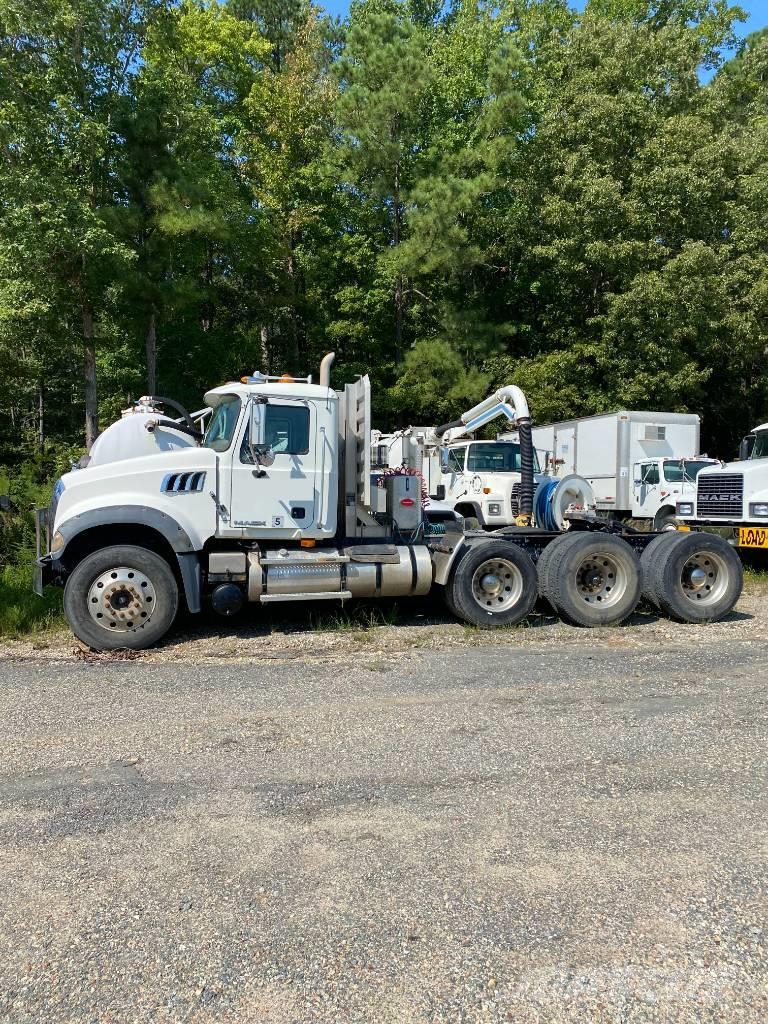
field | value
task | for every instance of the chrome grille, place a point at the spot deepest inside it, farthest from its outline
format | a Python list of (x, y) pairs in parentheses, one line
[(719, 496)]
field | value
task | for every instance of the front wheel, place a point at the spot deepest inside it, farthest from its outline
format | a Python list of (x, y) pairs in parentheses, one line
[(494, 584), (666, 523), (121, 597)]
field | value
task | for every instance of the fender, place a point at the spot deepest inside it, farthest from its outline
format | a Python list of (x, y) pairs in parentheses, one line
[(114, 515)]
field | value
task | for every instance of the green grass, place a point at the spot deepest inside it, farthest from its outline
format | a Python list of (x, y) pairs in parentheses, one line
[(358, 620), (22, 612)]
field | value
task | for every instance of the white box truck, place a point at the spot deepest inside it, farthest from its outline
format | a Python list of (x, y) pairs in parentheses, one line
[(640, 464)]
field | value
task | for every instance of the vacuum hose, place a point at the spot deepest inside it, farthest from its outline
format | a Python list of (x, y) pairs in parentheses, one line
[(526, 466), (182, 428)]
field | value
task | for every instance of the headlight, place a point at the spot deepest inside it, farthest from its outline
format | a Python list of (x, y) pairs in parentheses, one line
[(494, 508), (57, 543), (684, 508), (759, 509)]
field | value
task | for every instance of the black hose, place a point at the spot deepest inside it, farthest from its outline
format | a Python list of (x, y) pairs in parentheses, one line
[(173, 425), (439, 431), (159, 400), (526, 465)]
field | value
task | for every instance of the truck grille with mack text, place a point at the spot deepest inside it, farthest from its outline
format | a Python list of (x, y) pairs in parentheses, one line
[(720, 496)]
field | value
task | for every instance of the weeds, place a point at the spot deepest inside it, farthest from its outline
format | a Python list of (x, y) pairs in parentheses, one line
[(22, 611), (357, 620)]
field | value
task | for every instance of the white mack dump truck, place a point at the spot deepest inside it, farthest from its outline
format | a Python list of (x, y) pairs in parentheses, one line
[(639, 464), (277, 502), (734, 496)]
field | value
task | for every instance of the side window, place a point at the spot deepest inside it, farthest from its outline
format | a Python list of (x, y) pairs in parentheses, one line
[(650, 473), (286, 429), (456, 458)]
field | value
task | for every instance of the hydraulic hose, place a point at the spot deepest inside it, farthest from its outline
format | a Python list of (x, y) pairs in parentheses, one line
[(526, 467)]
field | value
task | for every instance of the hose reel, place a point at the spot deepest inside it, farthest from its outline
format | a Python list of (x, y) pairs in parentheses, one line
[(554, 498)]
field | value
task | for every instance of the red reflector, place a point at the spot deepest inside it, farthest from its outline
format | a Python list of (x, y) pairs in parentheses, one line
[(407, 502)]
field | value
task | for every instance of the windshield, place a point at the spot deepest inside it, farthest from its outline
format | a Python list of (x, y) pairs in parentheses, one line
[(678, 470), (496, 457), (760, 449), (220, 430)]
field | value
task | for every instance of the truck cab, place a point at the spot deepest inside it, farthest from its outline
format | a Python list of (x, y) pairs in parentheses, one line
[(735, 494), (481, 480), (659, 484)]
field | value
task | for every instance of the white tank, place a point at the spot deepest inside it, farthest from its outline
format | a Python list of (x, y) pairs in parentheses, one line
[(128, 438)]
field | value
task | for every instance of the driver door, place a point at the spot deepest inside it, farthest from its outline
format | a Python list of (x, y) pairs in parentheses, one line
[(278, 500), (647, 485)]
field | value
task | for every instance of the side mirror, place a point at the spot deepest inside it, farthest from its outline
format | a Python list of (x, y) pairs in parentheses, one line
[(746, 446), (445, 460), (261, 453)]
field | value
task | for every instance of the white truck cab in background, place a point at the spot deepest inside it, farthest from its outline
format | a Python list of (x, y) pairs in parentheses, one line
[(640, 464), (479, 479), (734, 495)]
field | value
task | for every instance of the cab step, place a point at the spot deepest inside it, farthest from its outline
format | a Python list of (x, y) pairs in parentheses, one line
[(324, 595)]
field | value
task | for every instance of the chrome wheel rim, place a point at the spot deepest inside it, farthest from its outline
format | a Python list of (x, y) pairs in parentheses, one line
[(122, 600), (497, 584), (601, 579), (704, 578)]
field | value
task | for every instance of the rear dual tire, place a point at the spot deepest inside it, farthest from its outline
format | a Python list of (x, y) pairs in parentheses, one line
[(493, 585), (691, 577), (590, 579)]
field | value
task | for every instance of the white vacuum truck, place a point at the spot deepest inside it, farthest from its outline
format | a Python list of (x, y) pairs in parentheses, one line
[(639, 464), (480, 480), (734, 496), (277, 502)]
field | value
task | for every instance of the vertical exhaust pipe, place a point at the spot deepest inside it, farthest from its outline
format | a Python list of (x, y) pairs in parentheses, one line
[(325, 370)]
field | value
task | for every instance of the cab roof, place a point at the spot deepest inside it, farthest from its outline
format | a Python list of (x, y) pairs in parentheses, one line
[(289, 389)]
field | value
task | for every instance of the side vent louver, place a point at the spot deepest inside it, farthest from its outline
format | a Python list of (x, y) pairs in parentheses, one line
[(183, 483)]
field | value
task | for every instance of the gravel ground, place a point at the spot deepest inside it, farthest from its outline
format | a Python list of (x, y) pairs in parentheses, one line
[(410, 823)]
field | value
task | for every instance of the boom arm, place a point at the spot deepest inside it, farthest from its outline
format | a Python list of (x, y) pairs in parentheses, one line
[(509, 401)]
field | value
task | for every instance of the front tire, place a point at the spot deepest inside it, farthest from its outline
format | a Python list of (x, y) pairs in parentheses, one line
[(121, 597), (493, 585)]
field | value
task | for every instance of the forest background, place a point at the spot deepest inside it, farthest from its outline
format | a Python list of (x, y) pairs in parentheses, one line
[(451, 196)]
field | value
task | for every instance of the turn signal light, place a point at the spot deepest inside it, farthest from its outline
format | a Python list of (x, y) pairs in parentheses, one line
[(307, 543), (486, 490)]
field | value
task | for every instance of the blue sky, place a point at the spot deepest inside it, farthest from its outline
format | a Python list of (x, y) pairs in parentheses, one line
[(757, 10)]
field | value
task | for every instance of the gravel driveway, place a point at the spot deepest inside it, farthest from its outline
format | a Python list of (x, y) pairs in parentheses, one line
[(411, 823)]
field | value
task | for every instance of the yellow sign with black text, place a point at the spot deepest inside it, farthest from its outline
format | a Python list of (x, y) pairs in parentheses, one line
[(753, 537)]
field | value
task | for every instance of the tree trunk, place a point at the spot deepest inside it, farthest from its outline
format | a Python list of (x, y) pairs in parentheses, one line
[(89, 376), (151, 345), (399, 292), (40, 416), (294, 317), (264, 345)]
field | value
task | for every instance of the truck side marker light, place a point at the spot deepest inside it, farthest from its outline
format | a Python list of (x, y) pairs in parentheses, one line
[(407, 502), (307, 542)]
